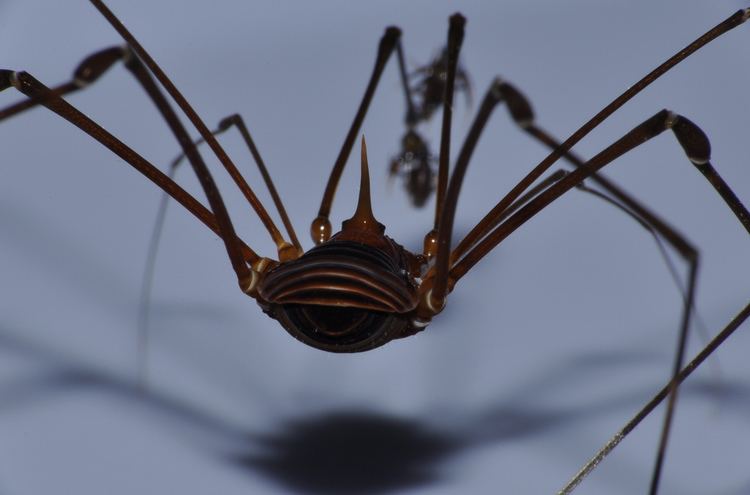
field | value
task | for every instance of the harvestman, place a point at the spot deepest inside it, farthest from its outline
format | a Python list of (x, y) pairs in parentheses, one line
[(415, 160), (358, 289)]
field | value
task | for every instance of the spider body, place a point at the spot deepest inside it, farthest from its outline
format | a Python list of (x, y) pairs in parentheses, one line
[(353, 292), (343, 296)]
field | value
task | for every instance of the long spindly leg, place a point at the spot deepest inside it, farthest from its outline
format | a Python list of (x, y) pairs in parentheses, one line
[(689, 136), (320, 230), (435, 289), (93, 66), (697, 148), (522, 115), (87, 72), (411, 114), (521, 112), (438, 241), (236, 120), (700, 324), (455, 39), (453, 48), (434, 293), (185, 142), (449, 63), (556, 176), (239, 253), (656, 400), (547, 182)]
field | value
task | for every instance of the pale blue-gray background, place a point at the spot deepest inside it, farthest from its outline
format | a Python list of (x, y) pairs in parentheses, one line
[(547, 348)]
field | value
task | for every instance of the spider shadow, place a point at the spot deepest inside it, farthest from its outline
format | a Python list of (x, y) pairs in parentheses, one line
[(352, 452), (349, 450), (371, 452)]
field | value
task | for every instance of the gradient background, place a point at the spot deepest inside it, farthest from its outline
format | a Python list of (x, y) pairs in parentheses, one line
[(544, 350)]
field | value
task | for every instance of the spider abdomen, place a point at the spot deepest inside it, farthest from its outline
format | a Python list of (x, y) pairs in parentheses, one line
[(341, 296)]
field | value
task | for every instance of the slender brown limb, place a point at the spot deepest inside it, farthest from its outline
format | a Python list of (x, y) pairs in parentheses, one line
[(320, 230), (237, 121), (620, 199), (640, 134), (411, 113), (88, 71), (522, 114), (535, 190), (93, 66), (27, 104), (195, 120), (435, 298), (32, 88), (656, 400), (701, 327), (731, 22), (455, 40), (676, 366), (196, 161), (697, 148), (729, 197), (143, 326)]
